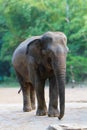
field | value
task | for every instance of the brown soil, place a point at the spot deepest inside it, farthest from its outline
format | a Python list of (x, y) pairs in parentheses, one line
[(13, 118)]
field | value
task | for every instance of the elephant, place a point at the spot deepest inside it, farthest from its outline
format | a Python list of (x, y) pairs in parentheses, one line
[(37, 59)]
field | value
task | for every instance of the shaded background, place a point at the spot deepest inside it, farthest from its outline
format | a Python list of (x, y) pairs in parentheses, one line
[(25, 18)]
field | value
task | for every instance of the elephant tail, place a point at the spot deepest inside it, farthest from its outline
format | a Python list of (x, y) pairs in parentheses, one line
[(19, 91)]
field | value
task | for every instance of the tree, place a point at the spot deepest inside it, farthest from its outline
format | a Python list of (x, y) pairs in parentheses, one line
[(22, 19)]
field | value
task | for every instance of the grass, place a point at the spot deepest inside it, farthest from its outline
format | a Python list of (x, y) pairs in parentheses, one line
[(9, 82)]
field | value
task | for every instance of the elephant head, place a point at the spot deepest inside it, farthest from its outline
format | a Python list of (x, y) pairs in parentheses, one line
[(53, 46)]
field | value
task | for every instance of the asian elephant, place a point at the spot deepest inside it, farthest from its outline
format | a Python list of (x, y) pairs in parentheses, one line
[(37, 59)]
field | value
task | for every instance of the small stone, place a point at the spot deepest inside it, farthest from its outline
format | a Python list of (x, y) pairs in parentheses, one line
[(73, 127), (67, 127), (54, 127)]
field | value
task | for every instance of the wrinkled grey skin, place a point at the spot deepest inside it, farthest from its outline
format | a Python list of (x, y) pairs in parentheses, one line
[(37, 59)]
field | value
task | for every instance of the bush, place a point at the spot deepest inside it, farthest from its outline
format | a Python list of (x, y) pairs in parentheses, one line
[(76, 68)]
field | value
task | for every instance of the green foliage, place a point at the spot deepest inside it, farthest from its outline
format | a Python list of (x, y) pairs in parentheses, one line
[(78, 64), (24, 18)]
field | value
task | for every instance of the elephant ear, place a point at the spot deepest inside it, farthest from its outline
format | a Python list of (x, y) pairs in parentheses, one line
[(35, 41), (31, 51), (63, 41)]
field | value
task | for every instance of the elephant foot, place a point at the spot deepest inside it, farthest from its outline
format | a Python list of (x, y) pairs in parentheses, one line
[(41, 112), (27, 109), (53, 112), (33, 106)]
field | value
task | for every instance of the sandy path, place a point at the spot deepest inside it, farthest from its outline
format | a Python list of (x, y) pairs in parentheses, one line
[(13, 118)]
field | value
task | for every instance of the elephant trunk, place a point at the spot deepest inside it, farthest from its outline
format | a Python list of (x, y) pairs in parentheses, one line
[(61, 86), (60, 70)]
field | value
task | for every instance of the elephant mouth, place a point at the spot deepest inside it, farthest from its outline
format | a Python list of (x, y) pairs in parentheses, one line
[(46, 63), (45, 70)]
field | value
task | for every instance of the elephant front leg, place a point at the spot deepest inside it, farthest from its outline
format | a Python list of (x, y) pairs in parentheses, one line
[(53, 101), (41, 108), (26, 98)]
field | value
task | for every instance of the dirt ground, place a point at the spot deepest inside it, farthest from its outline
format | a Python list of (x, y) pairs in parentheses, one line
[(13, 118)]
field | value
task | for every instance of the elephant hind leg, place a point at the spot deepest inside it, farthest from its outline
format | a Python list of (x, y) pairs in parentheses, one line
[(32, 96), (28, 94), (26, 98)]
